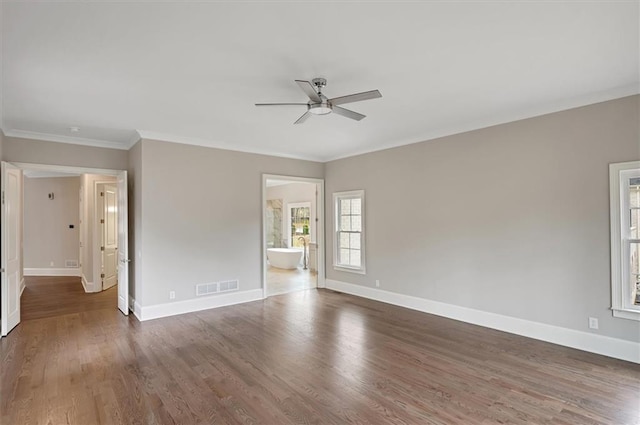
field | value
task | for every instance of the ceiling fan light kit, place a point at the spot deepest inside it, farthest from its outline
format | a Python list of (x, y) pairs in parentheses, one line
[(319, 104)]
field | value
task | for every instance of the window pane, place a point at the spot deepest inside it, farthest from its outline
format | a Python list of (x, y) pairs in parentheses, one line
[(634, 274), (356, 206), (344, 256), (356, 223), (354, 240), (634, 192), (345, 223), (635, 223), (344, 240), (345, 206), (355, 258)]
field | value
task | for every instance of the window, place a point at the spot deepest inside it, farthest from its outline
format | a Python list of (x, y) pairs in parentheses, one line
[(349, 231), (624, 185), (299, 221)]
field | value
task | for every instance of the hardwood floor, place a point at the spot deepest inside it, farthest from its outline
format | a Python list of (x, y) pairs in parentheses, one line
[(49, 296), (308, 357), (280, 281)]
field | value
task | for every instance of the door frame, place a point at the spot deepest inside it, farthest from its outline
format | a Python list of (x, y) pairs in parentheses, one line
[(320, 225), (83, 170)]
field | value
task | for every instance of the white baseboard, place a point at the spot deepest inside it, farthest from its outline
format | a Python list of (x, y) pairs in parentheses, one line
[(196, 304), (89, 286), (67, 271), (594, 343), (135, 307)]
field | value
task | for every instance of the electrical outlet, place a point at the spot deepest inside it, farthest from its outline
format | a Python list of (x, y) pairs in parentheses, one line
[(172, 295), (593, 323), (51, 263), (377, 283)]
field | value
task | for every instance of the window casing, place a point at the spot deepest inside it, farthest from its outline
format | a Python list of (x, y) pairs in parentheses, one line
[(348, 252), (624, 186)]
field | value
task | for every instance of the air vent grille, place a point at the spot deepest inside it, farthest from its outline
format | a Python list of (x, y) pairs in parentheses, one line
[(228, 285), (206, 288), (71, 263), (216, 287)]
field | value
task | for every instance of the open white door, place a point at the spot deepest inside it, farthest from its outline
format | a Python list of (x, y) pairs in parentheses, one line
[(123, 245), (109, 234), (11, 230)]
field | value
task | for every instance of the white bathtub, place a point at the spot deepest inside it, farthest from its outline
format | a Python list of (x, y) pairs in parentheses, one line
[(284, 258)]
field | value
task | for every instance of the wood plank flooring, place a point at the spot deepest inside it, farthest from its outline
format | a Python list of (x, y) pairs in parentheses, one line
[(308, 357), (50, 296)]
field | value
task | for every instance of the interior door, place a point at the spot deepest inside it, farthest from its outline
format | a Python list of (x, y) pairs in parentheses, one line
[(109, 225), (11, 230), (123, 248)]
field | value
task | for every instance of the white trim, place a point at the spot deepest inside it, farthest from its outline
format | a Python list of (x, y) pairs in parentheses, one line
[(320, 226), (89, 287), (66, 271), (48, 137), (135, 307), (594, 343), (22, 286), (351, 194), (67, 169), (197, 304), (619, 273), (214, 144), (509, 116)]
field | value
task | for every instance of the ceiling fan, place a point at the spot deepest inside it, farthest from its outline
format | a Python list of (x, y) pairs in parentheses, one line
[(319, 104)]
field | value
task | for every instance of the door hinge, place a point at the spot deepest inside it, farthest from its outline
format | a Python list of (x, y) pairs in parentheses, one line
[(101, 193), (102, 221), (102, 275), (3, 197), (101, 248)]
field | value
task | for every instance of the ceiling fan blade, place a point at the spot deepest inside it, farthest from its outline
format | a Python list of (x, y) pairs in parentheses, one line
[(308, 88), (303, 118), (373, 94), (281, 104), (347, 113)]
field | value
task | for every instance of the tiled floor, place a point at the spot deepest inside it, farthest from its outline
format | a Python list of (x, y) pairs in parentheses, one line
[(280, 281)]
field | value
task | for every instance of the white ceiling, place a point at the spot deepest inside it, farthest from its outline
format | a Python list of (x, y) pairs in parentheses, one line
[(190, 72)]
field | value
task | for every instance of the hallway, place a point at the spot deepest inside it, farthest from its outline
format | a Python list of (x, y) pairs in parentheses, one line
[(51, 296)]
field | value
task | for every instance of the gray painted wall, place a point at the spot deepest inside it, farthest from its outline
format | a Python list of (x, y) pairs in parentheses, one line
[(51, 153), (512, 219), (202, 215), (47, 236)]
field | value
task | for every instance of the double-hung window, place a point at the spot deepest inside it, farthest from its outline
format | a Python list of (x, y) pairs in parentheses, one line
[(624, 186), (349, 231)]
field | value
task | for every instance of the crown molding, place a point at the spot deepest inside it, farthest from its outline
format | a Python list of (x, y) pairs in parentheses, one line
[(505, 118), (165, 137), (67, 139)]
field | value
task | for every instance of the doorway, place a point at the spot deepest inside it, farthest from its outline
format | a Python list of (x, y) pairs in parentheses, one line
[(12, 219), (293, 234)]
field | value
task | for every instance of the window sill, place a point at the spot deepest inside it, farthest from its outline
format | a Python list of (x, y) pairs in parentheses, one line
[(349, 269), (630, 314)]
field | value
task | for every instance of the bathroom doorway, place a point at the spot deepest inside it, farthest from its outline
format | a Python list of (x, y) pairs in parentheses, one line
[(293, 234)]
